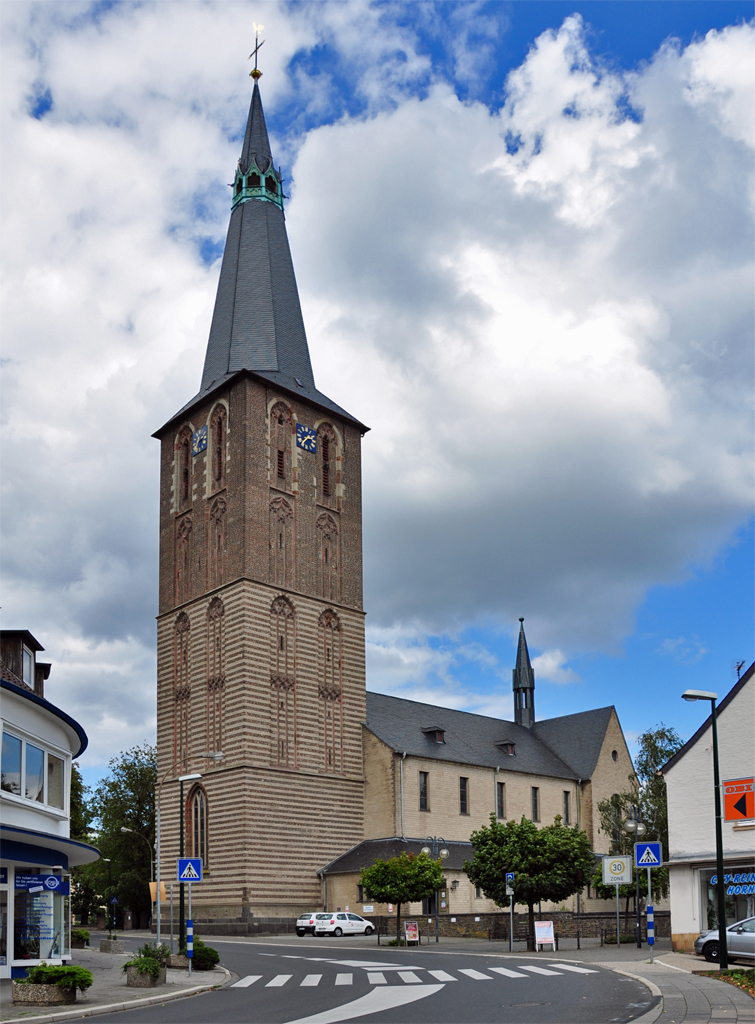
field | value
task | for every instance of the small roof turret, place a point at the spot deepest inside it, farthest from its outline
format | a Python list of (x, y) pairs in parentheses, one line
[(524, 683)]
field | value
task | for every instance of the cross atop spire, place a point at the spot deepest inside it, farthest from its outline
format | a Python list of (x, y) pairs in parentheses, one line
[(255, 73), (524, 683)]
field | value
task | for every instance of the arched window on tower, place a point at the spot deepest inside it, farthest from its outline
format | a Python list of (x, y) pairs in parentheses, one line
[(281, 542), (271, 184), (329, 557), (254, 181), (328, 476), (215, 674), (182, 560), (183, 468), (283, 681), (330, 690), (181, 688), (197, 820), (217, 542), (218, 432), (281, 470)]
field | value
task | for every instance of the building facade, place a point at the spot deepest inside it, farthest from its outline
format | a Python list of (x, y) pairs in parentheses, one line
[(691, 820), (261, 628), (261, 625), (36, 851)]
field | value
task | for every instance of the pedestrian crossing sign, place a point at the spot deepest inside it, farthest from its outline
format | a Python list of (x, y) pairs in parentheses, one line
[(648, 855), (189, 869)]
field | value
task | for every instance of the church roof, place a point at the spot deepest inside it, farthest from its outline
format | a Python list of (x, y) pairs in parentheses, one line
[(257, 324), (476, 739), (364, 854), (577, 739)]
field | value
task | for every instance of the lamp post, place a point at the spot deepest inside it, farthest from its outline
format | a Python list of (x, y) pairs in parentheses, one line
[(635, 827), (436, 854), (149, 844), (723, 954), (215, 755), (181, 901), (111, 915)]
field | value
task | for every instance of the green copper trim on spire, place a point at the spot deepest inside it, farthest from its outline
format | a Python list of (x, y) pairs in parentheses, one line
[(267, 187)]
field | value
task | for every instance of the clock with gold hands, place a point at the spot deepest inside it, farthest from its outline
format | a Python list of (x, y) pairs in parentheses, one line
[(306, 438)]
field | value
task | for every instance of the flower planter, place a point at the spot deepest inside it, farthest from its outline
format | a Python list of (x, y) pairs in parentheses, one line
[(112, 946), (178, 961), (42, 995), (78, 944), (135, 979)]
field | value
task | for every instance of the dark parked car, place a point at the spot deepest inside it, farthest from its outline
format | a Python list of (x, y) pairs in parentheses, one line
[(740, 942)]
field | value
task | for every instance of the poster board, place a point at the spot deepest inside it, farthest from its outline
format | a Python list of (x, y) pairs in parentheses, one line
[(544, 934), (411, 932)]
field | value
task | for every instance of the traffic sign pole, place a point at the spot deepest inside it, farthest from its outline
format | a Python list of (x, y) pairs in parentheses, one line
[(510, 894), (618, 919), (190, 935), (651, 931)]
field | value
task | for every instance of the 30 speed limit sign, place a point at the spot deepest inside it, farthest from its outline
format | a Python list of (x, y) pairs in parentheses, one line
[(617, 870)]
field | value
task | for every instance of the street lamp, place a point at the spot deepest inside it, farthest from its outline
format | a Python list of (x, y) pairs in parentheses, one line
[(215, 755), (436, 854), (149, 844), (635, 827), (111, 916), (723, 954)]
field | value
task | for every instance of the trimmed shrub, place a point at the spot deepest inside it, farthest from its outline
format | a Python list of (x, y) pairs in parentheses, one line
[(59, 974)]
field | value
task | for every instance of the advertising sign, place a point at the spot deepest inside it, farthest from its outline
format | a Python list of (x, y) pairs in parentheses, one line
[(544, 933), (43, 883), (153, 892), (411, 931), (368, 908), (739, 799), (617, 870)]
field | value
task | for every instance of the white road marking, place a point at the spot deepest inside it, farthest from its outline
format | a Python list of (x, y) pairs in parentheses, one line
[(442, 976), (577, 970), (377, 1000), (247, 981), (378, 978), (507, 973), (279, 980), (311, 981), (538, 970), (344, 979), (409, 977), (477, 975), (368, 964)]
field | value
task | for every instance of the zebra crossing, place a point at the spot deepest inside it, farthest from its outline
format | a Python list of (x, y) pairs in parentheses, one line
[(417, 975)]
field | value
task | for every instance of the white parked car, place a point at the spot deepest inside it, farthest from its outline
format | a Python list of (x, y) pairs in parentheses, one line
[(339, 923), (306, 923)]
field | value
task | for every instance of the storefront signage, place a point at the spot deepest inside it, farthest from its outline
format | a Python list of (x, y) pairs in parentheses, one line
[(43, 883), (739, 799), (742, 884), (3, 876)]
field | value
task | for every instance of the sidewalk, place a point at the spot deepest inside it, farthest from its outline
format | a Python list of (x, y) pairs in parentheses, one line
[(109, 990)]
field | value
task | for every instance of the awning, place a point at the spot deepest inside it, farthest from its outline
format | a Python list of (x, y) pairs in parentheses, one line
[(26, 846)]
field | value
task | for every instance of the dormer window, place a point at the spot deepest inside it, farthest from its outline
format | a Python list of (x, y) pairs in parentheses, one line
[(435, 734), (507, 747), (28, 668)]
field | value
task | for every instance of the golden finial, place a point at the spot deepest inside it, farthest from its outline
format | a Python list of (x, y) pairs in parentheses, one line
[(255, 72)]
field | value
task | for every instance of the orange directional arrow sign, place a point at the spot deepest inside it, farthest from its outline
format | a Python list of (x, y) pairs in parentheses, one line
[(739, 799)]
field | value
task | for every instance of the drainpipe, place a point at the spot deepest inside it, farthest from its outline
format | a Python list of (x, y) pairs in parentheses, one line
[(401, 775), (579, 822)]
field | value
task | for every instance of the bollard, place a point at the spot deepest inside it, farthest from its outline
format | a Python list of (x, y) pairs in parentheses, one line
[(651, 930), (189, 942)]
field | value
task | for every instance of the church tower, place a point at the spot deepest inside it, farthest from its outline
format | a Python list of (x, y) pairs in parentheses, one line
[(524, 683), (261, 626)]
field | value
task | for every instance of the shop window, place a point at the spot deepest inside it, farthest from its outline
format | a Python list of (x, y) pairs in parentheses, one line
[(32, 772)]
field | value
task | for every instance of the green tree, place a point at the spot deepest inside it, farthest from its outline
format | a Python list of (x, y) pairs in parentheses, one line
[(126, 798), (656, 747), (404, 879), (81, 811), (549, 863)]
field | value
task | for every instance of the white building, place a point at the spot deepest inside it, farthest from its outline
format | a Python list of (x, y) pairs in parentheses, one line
[(36, 851), (691, 816)]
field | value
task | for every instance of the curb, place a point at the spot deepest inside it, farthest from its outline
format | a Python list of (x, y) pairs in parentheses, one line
[(654, 1012), (92, 1011)]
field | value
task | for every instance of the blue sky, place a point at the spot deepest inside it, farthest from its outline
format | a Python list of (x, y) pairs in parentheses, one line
[(524, 251)]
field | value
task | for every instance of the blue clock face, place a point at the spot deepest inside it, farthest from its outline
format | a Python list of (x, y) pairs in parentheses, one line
[(199, 440), (306, 438)]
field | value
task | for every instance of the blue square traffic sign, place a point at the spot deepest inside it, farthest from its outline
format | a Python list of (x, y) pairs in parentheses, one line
[(189, 869), (509, 878), (648, 855)]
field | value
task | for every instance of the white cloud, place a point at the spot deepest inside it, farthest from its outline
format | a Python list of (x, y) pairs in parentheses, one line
[(685, 650), (550, 666), (551, 344)]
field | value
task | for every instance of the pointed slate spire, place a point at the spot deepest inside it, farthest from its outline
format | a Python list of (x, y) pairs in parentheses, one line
[(524, 683), (256, 143)]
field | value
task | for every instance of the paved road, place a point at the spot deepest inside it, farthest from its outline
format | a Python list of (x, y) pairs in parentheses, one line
[(320, 983)]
